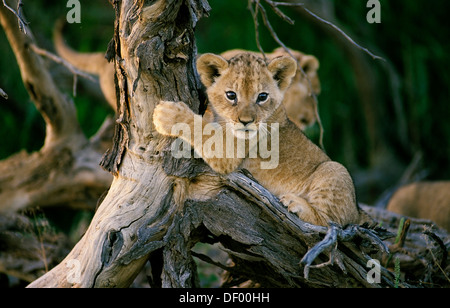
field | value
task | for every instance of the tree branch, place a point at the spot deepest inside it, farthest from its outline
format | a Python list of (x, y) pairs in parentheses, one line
[(274, 6), (65, 170), (347, 37), (254, 13), (19, 14), (58, 112), (69, 66), (3, 94)]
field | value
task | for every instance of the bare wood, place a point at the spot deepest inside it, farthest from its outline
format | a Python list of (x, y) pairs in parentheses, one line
[(52, 178), (65, 170), (21, 21)]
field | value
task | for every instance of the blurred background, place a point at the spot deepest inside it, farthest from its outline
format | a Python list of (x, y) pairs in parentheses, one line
[(378, 116)]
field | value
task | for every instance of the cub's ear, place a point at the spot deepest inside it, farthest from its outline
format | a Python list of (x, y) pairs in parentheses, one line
[(310, 65), (283, 69), (210, 66)]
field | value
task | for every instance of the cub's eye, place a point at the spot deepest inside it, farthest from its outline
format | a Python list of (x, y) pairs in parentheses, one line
[(231, 96), (262, 97)]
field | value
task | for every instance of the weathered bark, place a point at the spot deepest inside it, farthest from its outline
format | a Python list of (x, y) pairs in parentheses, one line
[(61, 175), (157, 207), (422, 251), (65, 170)]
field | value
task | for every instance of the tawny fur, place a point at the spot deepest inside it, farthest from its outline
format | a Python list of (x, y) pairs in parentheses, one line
[(426, 200), (317, 189)]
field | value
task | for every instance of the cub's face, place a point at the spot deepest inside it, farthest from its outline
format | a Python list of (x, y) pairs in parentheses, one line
[(298, 102), (245, 91)]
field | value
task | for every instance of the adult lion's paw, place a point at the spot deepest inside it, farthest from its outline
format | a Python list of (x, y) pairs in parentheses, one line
[(167, 114)]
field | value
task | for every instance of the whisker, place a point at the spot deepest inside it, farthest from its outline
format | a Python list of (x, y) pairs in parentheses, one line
[(262, 127)]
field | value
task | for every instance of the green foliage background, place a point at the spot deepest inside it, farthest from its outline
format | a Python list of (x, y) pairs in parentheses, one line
[(413, 37)]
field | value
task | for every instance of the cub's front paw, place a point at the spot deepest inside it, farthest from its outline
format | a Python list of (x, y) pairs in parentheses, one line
[(303, 209), (168, 114), (295, 204)]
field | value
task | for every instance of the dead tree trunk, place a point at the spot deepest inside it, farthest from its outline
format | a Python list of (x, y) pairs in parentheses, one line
[(154, 58), (159, 207)]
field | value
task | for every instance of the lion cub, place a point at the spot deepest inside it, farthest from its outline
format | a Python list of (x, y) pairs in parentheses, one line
[(426, 200), (245, 94)]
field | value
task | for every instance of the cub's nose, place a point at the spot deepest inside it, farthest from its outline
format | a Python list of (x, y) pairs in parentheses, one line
[(246, 121)]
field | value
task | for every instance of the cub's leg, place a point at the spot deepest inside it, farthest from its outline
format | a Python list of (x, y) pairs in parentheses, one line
[(330, 197), (332, 194), (304, 210), (169, 114)]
